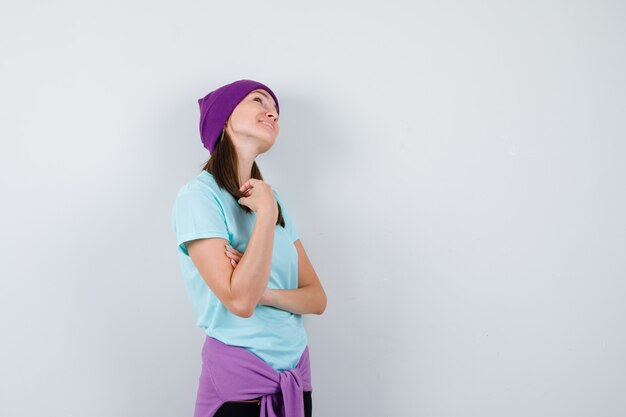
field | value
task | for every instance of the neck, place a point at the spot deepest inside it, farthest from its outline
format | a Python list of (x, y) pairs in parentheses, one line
[(245, 168)]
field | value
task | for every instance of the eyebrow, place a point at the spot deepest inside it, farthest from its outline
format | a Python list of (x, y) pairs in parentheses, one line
[(263, 93)]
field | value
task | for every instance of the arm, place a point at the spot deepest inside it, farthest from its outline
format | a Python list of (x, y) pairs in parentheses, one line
[(237, 288), (308, 298), (250, 278)]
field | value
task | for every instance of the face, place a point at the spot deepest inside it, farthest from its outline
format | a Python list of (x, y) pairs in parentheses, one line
[(253, 124)]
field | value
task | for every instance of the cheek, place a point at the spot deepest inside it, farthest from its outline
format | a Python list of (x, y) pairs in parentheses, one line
[(241, 120)]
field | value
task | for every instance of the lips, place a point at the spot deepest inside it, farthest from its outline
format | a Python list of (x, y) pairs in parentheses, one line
[(268, 124)]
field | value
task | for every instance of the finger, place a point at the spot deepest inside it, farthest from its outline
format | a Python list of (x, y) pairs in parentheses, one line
[(234, 251), (233, 263), (233, 254), (230, 255)]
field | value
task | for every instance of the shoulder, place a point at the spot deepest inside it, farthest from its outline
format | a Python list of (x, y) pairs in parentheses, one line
[(202, 186)]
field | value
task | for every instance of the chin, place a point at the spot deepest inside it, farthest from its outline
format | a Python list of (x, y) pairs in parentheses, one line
[(265, 146), (269, 142)]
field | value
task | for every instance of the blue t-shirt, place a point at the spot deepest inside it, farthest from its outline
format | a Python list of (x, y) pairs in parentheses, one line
[(202, 210)]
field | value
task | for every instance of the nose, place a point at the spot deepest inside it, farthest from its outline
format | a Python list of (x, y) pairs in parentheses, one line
[(272, 114)]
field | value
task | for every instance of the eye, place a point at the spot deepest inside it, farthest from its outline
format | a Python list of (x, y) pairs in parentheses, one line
[(261, 101)]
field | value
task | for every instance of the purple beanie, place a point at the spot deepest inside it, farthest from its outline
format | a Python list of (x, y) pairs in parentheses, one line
[(216, 107)]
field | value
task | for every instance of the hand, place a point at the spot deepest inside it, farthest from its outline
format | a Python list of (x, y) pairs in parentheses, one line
[(234, 255), (258, 196)]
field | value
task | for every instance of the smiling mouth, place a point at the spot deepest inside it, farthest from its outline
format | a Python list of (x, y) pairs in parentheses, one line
[(268, 125)]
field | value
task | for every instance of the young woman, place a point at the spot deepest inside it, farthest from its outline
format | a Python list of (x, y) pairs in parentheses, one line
[(247, 274)]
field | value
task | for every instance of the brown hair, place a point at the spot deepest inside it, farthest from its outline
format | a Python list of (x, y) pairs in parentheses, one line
[(223, 165)]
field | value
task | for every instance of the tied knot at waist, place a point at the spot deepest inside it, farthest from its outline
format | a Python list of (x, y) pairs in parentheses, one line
[(292, 388)]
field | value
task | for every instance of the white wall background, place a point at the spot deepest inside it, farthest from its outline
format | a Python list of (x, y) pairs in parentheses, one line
[(455, 170)]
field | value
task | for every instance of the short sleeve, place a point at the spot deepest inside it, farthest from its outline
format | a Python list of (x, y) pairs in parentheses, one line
[(289, 226), (197, 215)]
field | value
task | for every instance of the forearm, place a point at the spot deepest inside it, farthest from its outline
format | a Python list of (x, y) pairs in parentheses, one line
[(306, 300), (252, 274)]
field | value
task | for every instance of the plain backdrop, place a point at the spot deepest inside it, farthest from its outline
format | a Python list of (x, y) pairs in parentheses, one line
[(455, 170)]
